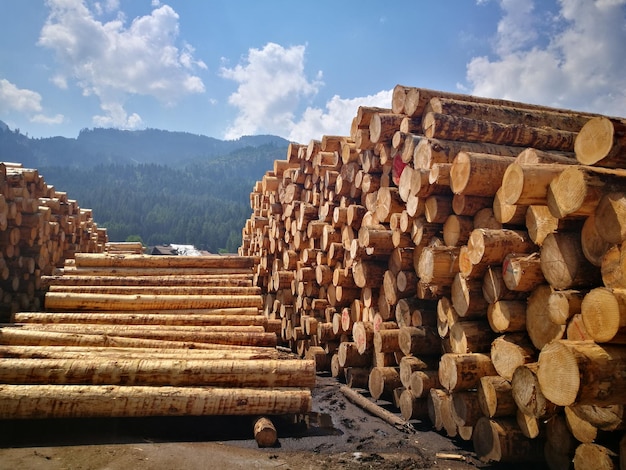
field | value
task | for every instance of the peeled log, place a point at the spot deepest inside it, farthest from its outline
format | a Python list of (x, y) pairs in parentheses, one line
[(527, 393), (101, 302), (582, 372), (383, 381), (604, 313), (422, 340), (501, 440), (478, 174), (109, 401), (528, 184), (264, 432), (16, 336), (610, 217), (159, 372), (590, 456), (538, 325), (173, 261), (139, 318), (563, 262), (495, 397), (602, 142), (76, 352), (578, 189), (508, 352), (463, 371)]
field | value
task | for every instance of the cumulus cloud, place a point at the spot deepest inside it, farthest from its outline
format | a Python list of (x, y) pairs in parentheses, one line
[(580, 65), (21, 100), (272, 87), (112, 60), (336, 118), (271, 84)]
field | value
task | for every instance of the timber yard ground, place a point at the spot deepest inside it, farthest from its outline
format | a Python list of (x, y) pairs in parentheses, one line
[(339, 435)]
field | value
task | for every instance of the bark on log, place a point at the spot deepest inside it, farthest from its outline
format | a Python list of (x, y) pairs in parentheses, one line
[(501, 440), (495, 397), (508, 352), (563, 262), (577, 191), (265, 433), (590, 456), (444, 126), (602, 141), (528, 184), (383, 381), (478, 174), (507, 316), (463, 371), (538, 325), (527, 392), (93, 401), (582, 372), (604, 314)]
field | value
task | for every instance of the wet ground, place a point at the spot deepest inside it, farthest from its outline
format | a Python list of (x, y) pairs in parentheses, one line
[(336, 435)]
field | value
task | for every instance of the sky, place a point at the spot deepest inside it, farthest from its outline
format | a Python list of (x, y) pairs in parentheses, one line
[(297, 69)]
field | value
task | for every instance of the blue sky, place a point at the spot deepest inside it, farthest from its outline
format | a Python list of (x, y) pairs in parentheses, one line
[(298, 69)]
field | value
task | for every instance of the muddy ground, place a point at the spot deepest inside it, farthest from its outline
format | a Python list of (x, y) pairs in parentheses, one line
[(337, 435)]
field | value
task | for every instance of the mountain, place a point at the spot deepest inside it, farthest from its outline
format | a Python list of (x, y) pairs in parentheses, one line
[(101, 146), (159, 186)]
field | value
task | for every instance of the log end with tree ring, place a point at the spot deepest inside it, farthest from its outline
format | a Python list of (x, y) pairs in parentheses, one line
[(264, 432), (558, 374), (512, 184), (486, 441), (567, 192), (610, 217), (600, 311), (460, 172), (594, 141), (538, 325)]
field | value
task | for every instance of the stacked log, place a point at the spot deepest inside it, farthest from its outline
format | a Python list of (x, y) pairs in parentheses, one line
[(40, 227), (126, 334), (481, 223)]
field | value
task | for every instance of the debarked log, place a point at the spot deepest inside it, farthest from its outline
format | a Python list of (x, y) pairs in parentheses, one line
[(83, 401), (161, 372), (102, 302)]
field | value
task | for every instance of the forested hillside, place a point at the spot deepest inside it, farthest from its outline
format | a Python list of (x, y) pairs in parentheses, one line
[(185, 192)]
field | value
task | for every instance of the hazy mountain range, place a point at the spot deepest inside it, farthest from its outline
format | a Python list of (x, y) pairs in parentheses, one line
[(161, 186)]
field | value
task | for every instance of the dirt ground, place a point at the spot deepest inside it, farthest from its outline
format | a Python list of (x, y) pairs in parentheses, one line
[(336, 435)]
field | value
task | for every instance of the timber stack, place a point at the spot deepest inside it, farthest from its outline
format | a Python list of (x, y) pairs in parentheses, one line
[(40, 228), (125, 334), (463, 258)]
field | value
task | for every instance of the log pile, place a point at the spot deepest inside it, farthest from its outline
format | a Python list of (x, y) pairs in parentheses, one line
[(40, 228), (462, 258), (126, 334)]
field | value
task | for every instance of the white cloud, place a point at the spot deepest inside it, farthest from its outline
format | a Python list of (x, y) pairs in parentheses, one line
[(337, 118), (271, 84), (112, 60), (43, 119), (582, 65), (22, 100)]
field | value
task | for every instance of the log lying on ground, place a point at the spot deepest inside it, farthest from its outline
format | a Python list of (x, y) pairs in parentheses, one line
[(103, 302), (108, 401), (159, 372), (75, 352), (140, 318), (148, 261)]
